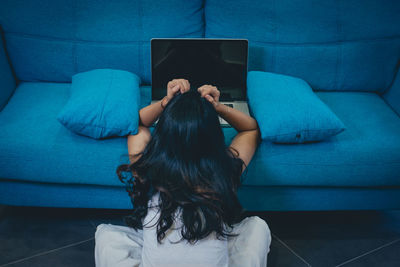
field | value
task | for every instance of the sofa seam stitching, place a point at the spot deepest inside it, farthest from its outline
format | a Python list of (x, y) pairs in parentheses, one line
[(140, 46), (77, 41), (344, 164), (275, 54), (97, 126), (306, 164), (203, 18), (389, 87), (339, 48), (74, 51), (307, 130), (320, 43)]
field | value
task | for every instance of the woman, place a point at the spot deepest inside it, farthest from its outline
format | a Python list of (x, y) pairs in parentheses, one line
[(186, 210)]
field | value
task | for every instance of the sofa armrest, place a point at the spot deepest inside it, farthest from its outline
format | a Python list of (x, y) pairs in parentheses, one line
[(392, 96), (7, 80)]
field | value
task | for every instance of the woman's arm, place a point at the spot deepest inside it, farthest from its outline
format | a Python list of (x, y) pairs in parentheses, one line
[(248, 137), (237, 119), (148, 115)]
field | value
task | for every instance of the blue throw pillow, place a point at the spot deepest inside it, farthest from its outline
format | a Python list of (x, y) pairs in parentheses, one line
[(103, 103), (288, 111)]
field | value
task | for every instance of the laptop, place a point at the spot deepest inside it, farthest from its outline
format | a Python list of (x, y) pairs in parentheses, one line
[(218, 62)]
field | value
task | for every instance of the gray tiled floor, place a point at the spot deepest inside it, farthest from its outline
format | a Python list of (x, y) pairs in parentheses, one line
[(65, 237), (338, 238)]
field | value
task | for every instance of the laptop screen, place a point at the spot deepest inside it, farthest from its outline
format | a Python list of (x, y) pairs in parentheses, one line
[(218, 62)]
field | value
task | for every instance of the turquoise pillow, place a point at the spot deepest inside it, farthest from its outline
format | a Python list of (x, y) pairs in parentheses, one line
[(103, 103), (288, 111)]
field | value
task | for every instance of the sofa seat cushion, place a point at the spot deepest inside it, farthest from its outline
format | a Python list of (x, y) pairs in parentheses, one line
[(36, 147), (366, 154)]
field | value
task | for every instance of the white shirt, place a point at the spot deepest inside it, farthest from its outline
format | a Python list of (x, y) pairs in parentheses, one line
[(206, 252)]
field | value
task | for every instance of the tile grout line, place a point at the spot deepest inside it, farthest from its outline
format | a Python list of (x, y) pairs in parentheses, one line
[(291, 250), (47, 252), (367, 253)]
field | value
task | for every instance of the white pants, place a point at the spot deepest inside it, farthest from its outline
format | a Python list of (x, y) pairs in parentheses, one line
[(121, 246)]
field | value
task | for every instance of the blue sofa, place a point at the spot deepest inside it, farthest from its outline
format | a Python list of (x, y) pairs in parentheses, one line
[(348, 51)]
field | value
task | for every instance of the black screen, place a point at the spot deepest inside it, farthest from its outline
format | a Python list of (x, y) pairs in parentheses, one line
[(222, 63)]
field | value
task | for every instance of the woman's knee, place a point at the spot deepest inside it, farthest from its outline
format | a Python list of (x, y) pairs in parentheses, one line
[(100, 229), (109, 235), (257, 222), (262, 224), (259, 228), (104, 233), (251, 246)]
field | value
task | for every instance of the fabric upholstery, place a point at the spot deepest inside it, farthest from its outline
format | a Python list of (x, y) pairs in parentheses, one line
[(366, 154), (253, 198), (51, 40), (288, 111), (333, 45), (103, 103), (7, 81), (392, 96), (36, 147)]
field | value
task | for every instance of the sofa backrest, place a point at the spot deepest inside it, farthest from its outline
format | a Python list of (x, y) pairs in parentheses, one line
[(7, 80), (392, 96), (333, 44), (50, 40)]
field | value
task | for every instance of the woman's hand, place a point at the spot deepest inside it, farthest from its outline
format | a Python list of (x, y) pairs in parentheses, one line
[(173, 87), (211, 93)]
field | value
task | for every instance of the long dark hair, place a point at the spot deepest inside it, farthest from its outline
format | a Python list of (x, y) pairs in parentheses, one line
[(188, 162)]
